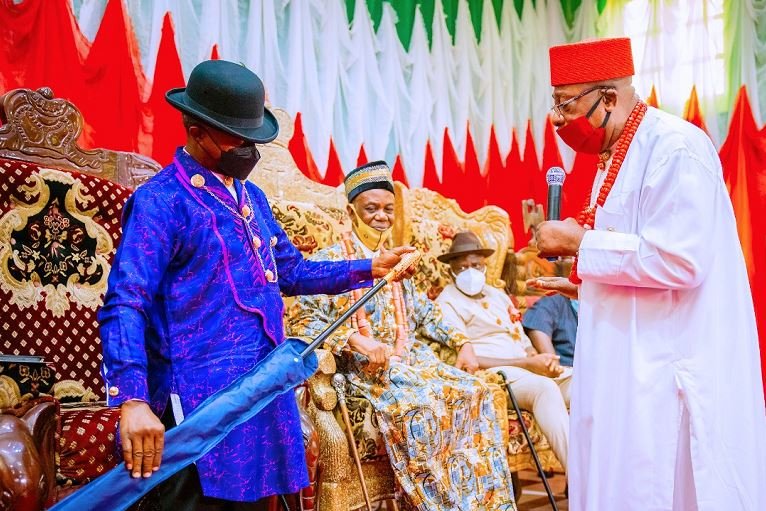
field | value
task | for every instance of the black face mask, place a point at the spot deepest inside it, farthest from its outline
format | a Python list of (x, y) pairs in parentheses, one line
[(237, 162)]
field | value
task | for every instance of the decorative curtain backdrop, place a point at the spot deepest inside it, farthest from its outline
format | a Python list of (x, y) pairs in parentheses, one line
[(453, 93)]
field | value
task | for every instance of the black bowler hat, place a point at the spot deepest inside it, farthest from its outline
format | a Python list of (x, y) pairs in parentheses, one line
[(228, 97)]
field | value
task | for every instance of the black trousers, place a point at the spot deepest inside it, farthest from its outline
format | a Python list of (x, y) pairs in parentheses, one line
[(183, 492)]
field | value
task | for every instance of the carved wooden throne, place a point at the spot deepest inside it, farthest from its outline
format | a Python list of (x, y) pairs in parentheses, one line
[(60, 208)]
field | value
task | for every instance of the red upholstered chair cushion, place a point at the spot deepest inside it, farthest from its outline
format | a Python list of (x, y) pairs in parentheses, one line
[(87, 447), (58, 234)]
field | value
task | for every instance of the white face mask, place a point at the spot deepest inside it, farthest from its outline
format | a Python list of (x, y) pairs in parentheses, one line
[(470, 281)]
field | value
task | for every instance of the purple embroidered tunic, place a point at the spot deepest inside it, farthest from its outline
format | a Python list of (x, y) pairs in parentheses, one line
[(190, 308)]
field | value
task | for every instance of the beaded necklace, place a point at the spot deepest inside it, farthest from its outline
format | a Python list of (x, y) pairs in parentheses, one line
[(360, 321), (587, 216), (246, 215)]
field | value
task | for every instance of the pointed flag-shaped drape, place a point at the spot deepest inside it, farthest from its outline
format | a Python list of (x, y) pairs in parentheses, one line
[(301, 153), (495, 173), (361, 159), (430, 177), (398, 173), (535, 180), (652, 100), (334, 175), (452, 170), (473, 191), (743, 156), (692, 111), (116, 113), (517, 191), (42, 46), (167, 130)]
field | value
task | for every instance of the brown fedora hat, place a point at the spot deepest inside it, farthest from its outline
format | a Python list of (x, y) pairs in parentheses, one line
[(465, 243)]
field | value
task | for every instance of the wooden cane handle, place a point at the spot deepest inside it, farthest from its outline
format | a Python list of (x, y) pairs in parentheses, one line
[(407, 261)]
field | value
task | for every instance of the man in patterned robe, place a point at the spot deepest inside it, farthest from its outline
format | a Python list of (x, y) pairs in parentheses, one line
[(437, 421)]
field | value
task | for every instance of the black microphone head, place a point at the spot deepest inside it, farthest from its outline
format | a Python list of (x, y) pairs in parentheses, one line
[(555, 176)]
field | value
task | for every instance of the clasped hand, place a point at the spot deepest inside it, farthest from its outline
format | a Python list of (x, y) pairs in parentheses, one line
[(379, 354), (545, 364), (559, 237), (388, 259)]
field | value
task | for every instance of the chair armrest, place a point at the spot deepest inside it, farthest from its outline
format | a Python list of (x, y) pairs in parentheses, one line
[(334, 458), (27, 460), (320, 385)]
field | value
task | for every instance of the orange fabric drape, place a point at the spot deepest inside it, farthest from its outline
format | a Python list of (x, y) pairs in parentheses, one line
[(743, 156)]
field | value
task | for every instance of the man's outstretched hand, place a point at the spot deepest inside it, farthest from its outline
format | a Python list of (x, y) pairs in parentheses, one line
[(553, 285), (387, 259)]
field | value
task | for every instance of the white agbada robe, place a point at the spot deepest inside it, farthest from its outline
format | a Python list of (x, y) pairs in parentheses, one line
[(667, 348)]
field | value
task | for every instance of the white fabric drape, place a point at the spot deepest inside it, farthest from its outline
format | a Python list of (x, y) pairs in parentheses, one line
[(360, 87)]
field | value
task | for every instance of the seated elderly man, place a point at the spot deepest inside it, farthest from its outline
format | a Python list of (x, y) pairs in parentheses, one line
[(438, 422), (493, 326)]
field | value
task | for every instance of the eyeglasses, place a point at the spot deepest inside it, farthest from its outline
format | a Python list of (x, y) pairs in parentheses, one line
[(559, 108)]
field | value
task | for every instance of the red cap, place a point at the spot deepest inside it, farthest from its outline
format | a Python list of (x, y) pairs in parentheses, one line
[(591, 61)]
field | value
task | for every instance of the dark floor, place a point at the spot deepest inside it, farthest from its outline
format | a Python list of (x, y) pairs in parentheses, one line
[(533, 496)]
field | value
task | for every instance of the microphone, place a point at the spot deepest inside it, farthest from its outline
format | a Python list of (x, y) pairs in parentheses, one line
[(555, 179)]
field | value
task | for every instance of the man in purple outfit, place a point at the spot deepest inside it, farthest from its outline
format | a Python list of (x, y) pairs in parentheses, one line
[(194, 300)]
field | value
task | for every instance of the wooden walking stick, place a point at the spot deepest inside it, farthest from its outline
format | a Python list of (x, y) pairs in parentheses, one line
[(339, 384)]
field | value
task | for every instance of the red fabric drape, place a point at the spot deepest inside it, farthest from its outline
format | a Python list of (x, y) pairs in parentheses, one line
[(301, 153), (361, 159), (517, 191), (532, 176), (41, 46), (114, 105), (495, 173), (398, 172), (430, 177), (743, 157), (473, 191), (334, 175), (452, 170), (164, 123)]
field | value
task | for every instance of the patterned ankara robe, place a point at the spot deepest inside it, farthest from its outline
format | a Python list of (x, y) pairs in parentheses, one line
[(190, 308), (438, 422)]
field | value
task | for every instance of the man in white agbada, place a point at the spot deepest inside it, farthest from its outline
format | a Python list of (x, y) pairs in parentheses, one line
[(667, 406)]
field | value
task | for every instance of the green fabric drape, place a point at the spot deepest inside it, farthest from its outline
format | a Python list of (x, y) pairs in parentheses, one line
[(405, 12)]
